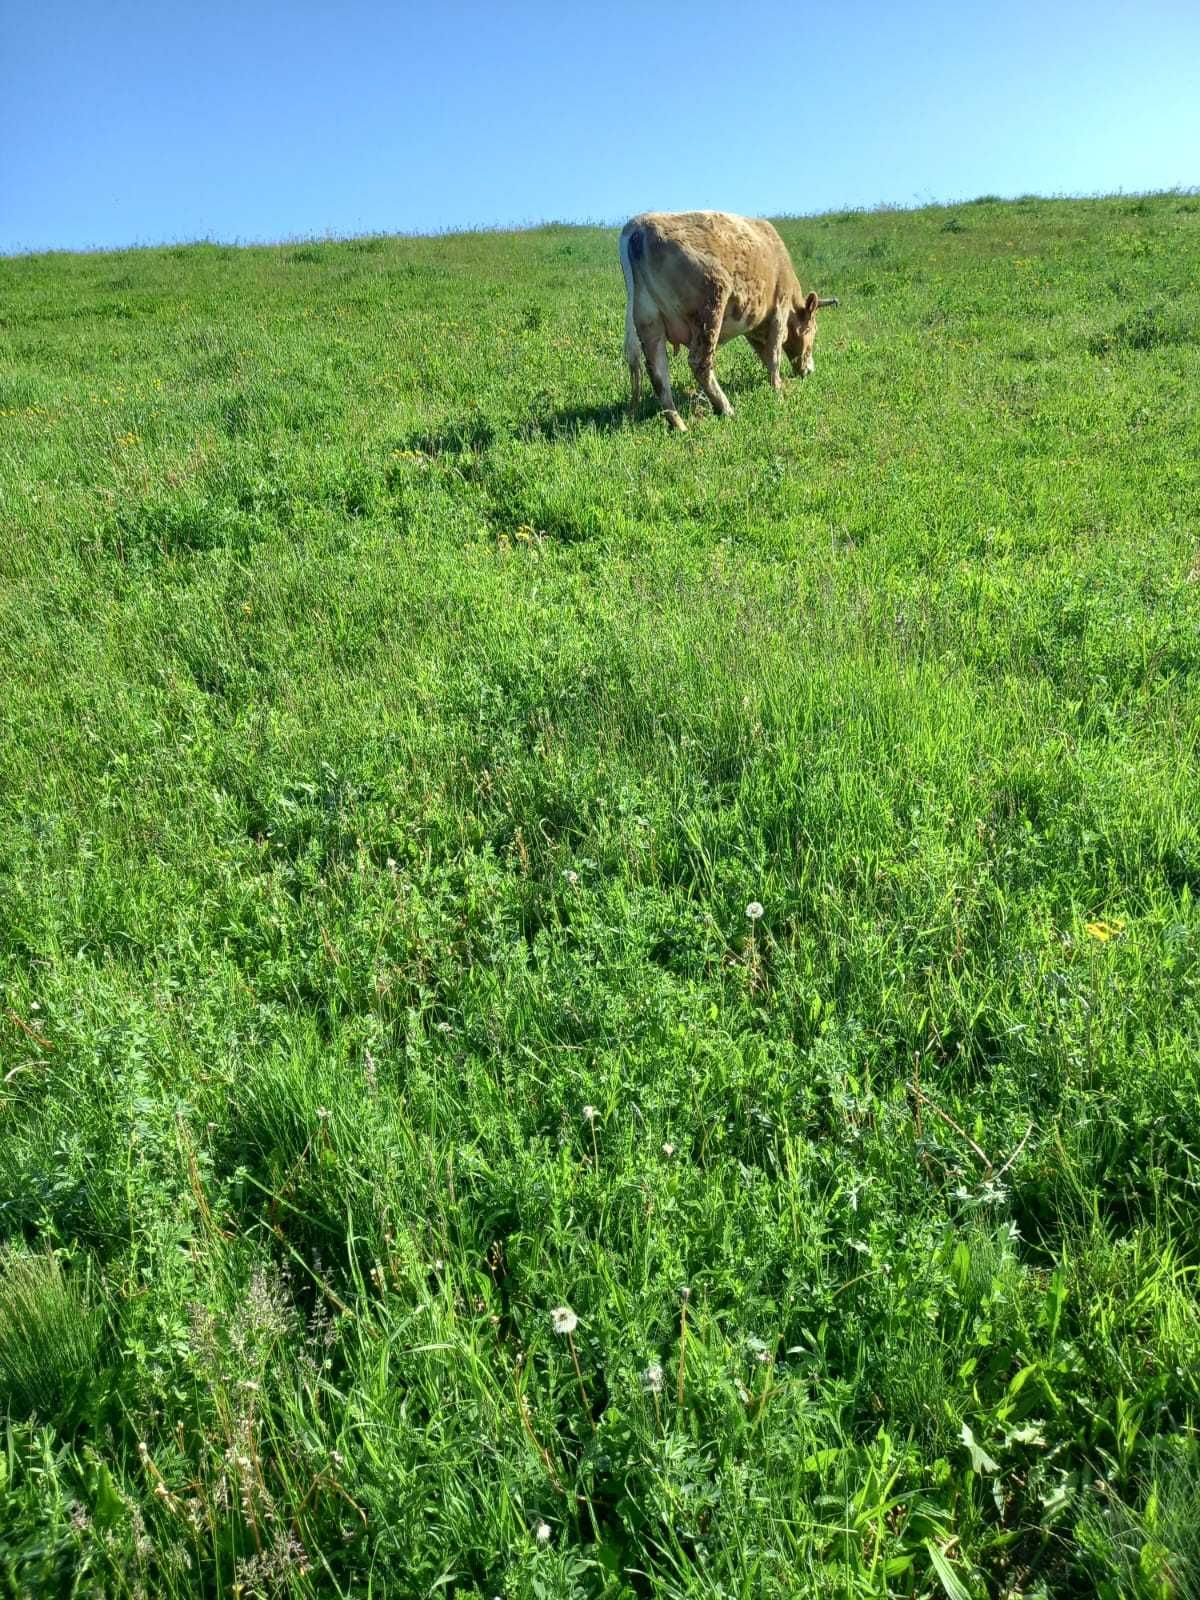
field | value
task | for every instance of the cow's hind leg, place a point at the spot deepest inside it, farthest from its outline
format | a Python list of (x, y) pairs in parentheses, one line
[(635, 381), (633, 355), (702, 353), (655, 346), (633, 348)]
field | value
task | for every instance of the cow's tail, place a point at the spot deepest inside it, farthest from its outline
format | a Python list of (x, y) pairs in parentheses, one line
[(632, 246)]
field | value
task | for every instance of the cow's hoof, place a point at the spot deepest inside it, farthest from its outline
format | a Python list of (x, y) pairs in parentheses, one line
[(675, 422)]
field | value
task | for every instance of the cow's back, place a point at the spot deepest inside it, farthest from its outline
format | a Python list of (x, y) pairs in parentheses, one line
[(713, 236), (679, 257)]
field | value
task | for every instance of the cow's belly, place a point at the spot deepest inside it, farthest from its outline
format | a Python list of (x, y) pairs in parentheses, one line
[(738, 321), (681, 332), (652, 317), (679, 328)]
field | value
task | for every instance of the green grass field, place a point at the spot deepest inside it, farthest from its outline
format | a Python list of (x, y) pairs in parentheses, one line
[(393, 739)]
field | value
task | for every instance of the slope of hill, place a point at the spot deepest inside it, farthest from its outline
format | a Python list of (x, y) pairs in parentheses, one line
[(422, 1168)]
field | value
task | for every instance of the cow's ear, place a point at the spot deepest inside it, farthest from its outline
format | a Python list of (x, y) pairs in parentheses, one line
[(810, 304)]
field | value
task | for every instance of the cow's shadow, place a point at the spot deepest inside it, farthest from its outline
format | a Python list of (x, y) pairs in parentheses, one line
[(571, 420), (474, 435), (471, 436)]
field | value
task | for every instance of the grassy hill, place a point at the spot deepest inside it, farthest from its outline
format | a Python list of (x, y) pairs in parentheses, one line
[(393, 740)]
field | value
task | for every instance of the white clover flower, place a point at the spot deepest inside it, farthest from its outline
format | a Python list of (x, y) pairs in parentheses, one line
[(652, 1378), (754, 910), (563, 1320), (542, 1533)]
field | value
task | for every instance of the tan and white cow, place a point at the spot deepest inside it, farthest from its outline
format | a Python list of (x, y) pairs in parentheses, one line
[(699, 278)]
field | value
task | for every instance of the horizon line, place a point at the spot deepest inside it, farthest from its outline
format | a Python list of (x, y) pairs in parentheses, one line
[(456, 230)]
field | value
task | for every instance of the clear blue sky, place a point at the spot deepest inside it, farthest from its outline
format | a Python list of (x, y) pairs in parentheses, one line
[(138, 121)]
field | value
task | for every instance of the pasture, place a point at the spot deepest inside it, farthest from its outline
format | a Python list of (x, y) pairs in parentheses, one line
[(393, 739)]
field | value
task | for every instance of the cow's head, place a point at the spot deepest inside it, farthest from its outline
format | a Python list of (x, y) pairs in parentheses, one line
[(801, 331)]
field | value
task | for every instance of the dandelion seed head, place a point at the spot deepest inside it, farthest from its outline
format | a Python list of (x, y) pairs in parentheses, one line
[(542, 1533), (668, 1149), (652, 1378), (754, 910), (571, 877), (563, 1320), (590, 1113)]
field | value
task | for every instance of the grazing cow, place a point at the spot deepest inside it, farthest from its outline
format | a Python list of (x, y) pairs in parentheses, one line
[(698, 278)]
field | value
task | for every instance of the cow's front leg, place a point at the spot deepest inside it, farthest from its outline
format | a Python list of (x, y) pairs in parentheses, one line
[(768, 346), (702, 352), (655, 346), (773, 352)]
